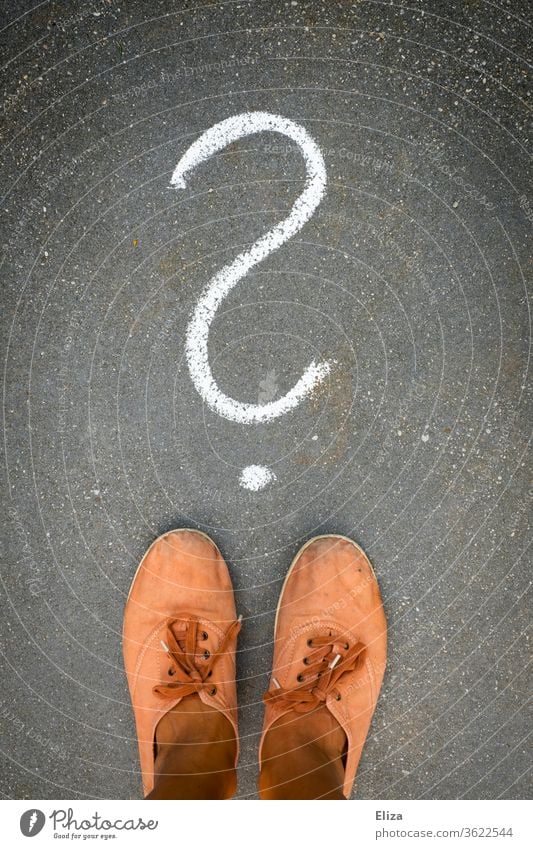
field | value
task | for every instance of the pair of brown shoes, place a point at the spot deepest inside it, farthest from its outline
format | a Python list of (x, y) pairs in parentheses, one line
[(180, 638)]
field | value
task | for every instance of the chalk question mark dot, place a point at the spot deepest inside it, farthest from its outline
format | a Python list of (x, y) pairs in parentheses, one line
[(213, 140), (255, 478)]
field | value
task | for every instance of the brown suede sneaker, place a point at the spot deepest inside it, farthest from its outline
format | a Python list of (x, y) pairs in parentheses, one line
[(179, 635), (330, 644)]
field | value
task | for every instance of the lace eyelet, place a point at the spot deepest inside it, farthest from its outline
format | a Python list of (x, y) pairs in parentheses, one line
[(300, 677), (213, 691), (205, 635), (171, 672), (338, 697), (210, 673), (306, 661), (310, 643), (207, 654), (346, 646)]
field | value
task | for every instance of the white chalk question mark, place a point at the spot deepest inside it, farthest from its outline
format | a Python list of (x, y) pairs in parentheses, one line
[(196, 348)]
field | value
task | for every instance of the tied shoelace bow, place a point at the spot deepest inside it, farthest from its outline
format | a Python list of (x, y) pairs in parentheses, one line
[(329, 659), (181, 648)]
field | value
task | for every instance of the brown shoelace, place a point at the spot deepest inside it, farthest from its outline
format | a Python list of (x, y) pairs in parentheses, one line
[(181, 648), (330, 658)]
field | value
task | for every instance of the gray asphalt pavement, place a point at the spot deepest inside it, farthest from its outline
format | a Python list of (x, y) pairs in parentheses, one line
[(411, 278)]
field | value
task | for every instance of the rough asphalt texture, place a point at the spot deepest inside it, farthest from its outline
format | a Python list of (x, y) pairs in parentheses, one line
[(412, 276)]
